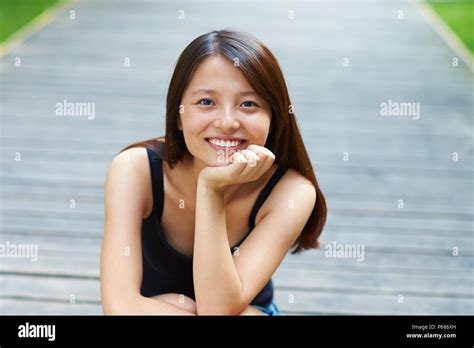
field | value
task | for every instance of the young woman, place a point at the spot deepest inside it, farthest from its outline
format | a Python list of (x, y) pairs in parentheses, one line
[(198, 221)]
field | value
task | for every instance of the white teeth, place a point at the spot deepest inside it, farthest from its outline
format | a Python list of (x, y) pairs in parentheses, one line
[(225, 143)]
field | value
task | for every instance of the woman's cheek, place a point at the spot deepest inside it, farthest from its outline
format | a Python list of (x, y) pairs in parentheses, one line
[(260, 131), (193, 129)]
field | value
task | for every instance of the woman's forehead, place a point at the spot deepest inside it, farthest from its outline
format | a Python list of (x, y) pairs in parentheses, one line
[(219, 74)]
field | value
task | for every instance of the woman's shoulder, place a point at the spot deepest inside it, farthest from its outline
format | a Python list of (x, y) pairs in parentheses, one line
[(292, 187), (296, 184), (134, 158), (129, 174), (137, 155), (294, 177), (140, 150)]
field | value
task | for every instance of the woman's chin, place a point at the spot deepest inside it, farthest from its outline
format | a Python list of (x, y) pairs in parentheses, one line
[(218, 161), (219, 164)]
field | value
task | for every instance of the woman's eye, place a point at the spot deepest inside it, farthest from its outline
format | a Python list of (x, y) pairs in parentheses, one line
[(249, 104), (205, 102)]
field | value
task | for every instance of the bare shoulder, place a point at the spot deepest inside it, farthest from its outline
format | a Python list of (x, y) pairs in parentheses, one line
[(293, 177), (293, 189), (129, 178), (132, 159), (293, 183), (130, 165)]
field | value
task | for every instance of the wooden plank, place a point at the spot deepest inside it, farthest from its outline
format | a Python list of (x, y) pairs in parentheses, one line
[(313, 280), (78, 266), (347, 217), (369, 304), (29, 307), (63, 290), (376, 261), (60, 221)]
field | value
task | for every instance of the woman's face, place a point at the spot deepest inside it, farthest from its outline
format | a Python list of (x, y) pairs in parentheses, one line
[(220, 113)]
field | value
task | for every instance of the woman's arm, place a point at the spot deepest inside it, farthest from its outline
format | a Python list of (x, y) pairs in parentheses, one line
[(226, 283), (127, 202), (217, 284)]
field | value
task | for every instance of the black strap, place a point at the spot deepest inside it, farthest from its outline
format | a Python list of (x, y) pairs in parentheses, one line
[(264, 194), (156, 169)]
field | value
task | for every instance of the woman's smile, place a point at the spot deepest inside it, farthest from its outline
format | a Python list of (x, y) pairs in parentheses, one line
[(226, 143)]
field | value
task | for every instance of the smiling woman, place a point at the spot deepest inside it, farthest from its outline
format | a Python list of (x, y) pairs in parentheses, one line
[(198, 221)]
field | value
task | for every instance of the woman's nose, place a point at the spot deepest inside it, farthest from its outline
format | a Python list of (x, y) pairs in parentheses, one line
[(228, 119)]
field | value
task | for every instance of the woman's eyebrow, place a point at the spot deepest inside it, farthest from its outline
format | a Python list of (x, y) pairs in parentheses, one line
[(252, 93), (211, 91), (208, 91)]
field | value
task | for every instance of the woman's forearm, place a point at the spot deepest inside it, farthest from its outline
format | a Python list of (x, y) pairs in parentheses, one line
[(217, 284), (145, 306), (150, 306)]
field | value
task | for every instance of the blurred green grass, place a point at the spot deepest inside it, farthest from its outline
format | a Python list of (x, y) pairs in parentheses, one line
[(14, 14), (459, 15)]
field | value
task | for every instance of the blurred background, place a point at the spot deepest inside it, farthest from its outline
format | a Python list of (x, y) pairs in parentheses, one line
[(383, 93)]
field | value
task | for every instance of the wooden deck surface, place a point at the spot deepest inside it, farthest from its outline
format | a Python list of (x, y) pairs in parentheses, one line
[(408, 266)]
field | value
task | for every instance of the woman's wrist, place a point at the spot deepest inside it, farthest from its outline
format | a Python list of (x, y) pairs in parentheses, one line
[(209, 185)]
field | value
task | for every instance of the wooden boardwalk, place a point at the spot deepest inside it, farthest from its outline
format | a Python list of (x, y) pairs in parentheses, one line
[(341, 61)]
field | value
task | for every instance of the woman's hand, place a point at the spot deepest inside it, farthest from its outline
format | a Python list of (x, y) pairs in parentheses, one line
[(246, 166)]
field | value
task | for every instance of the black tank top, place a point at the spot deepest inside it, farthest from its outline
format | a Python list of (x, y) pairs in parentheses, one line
[(166, 270)]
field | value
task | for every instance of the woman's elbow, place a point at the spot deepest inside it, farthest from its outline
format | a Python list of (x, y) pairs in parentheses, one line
[(209, 309), (112, 305)]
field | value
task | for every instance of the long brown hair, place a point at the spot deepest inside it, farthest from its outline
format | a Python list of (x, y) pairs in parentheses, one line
[(263, 72)]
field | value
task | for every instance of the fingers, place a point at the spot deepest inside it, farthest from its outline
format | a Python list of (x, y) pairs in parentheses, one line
[(251, 157), (245, 156), (245, 162), (254, 160), (266, 156), (238, 158), (249, 164), (261, 151), (253, 154)]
